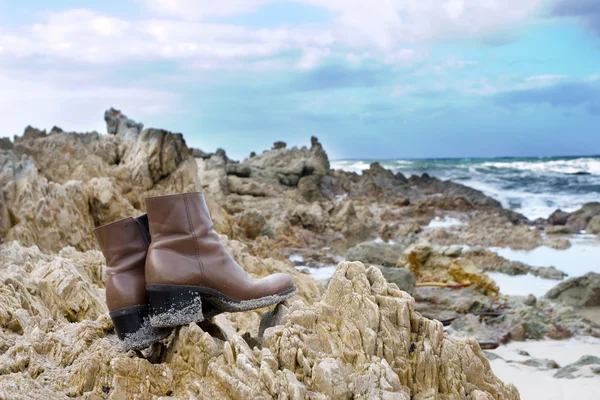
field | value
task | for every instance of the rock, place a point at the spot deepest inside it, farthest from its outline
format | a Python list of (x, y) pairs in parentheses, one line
[(118, 124), (250, 224), (558, 217), (542, 364), (53, 202), (308, 187), (530, 300), (548, 273), (594, 225), (579, 220), (197, 153), (583, 291), (559, 230), (279, 145), (402, 277), (243, 171), (523, 353), (586, 366), (518, 333), (311, 217), (363, 338), (378, 253), (6, 144), (250, 187)]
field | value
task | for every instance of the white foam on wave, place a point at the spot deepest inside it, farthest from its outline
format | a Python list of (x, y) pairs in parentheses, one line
[(577, 165), (350, 165)]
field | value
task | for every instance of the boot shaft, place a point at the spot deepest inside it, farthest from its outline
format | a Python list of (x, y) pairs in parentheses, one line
[(124, 244), (186, 251)]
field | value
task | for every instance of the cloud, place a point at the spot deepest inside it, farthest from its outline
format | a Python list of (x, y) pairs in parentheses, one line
[(588, 11), (86, 36), (566, 94), (72, 101), (338, 76), (382, 24)]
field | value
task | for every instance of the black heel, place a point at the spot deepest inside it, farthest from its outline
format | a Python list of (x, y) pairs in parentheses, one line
[(173, 305), (132, 325)]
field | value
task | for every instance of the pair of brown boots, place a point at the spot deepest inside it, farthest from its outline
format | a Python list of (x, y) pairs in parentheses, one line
[(168, 268)]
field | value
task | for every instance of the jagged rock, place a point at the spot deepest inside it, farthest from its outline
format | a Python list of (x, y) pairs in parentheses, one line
[(401, 277), (558, 217), (6, 143), (54, 202), (311, 217), (243, 171), (586, 366), (579, 220), (118, 124), (308, 187), (250, 187), (250, 224), (379, 253), (363, 338), (279, 145), (583, 291), (594, 225)]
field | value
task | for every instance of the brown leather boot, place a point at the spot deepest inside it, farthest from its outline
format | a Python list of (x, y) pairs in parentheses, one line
[(124, 244), (188, 267)]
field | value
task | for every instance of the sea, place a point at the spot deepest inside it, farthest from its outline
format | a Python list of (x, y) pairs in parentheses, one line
[(532, 186)]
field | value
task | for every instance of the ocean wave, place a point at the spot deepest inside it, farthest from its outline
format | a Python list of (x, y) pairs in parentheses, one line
[(573, 166)]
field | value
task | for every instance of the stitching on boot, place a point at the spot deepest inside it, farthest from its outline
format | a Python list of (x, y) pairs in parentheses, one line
[(195, 239)]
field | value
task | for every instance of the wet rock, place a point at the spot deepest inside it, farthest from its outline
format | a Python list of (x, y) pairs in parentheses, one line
[(378, 252), (581, 291), (542, 364), (530, 300), (548, 273), (586, 366), (579, 220), (558, 217), (594, 225), (402, 277)]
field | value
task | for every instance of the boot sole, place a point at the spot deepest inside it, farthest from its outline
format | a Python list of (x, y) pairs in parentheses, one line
[(176, 305), (133, 328)]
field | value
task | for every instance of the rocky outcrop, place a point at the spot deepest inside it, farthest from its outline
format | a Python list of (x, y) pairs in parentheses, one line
[(57, 187), (587, 218), (583, 291), (363, 339), (379, 252)]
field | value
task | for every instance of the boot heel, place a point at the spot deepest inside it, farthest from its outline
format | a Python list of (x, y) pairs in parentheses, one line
[(132, 325), (174, 305)]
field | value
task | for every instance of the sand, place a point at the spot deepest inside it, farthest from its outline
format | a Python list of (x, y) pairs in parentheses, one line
[(534, 384)]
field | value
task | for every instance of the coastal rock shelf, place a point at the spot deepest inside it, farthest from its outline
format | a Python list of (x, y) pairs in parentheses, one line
[(362, 338)]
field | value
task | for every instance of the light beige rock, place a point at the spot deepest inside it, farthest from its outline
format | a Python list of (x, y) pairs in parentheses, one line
[(362, 339)]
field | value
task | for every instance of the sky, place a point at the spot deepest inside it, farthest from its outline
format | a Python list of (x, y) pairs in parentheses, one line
[(371, 79)]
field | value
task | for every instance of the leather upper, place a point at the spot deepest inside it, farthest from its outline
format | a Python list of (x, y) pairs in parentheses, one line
[(186, 250), (124, 244)]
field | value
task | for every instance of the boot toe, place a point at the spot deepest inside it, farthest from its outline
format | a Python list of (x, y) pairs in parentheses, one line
[(279, 283)]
